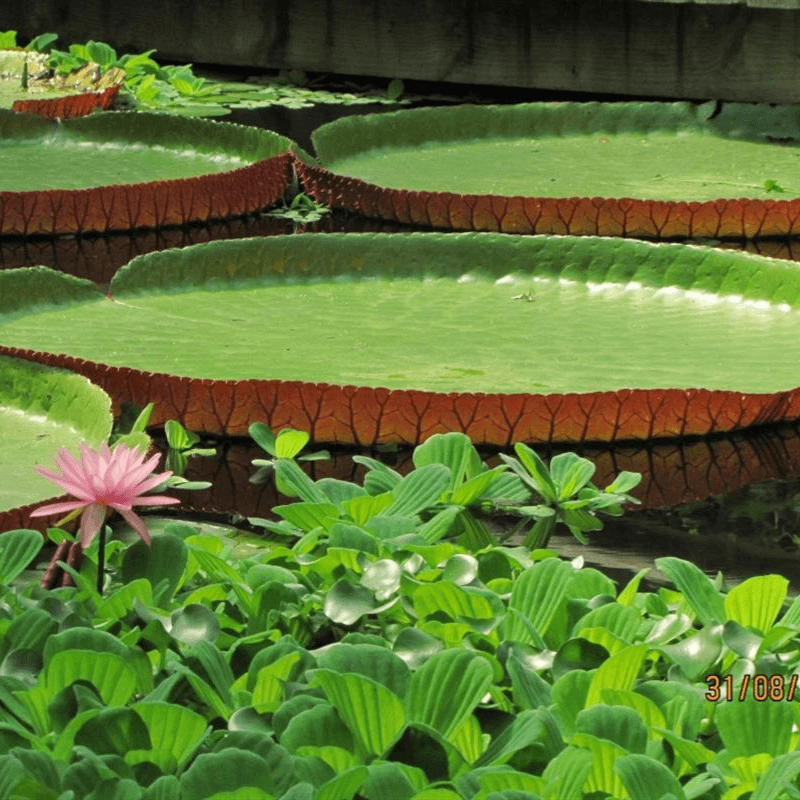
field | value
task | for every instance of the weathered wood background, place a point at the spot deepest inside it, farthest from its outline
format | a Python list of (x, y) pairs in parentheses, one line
[(747, 50)]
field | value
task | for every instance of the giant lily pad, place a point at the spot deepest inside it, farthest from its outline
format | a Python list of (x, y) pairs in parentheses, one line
[(41, 410), (380, 338), (121, 171), (657, 170)]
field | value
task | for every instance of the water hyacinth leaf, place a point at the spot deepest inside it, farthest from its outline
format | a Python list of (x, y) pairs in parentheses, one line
[(751, 726), (445, 690), (697, 654), (698, 590), (124, 599), (165, 559), (346, 603), (17, 549), (175, 732), (741, 640), (375, 662), (23, 665), (373, 713), (415, 646), (756, 602), (668, 628), (114, 731), (114, 678), (537, 594), (618, 672), (193, 624), (618, 724), (419, 490), (578, 654), (646, 778), (461, 569), (382, 577)]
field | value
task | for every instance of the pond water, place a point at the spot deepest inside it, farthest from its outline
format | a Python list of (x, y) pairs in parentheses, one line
[(727, 503)]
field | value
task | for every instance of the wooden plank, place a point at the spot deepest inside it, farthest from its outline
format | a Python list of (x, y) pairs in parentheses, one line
[(673, 50)]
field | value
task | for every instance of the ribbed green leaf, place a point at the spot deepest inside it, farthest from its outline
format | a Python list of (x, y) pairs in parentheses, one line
[(343, 786), (29, 630), (114, 677), (756, 602), (17, 550), (524, 730), (538, 594), (645, 708), (570, 473), (215, 665), (308, 516), (227, 770), (454, 450), (375, 662), (419, 490), (114, 731), (618, 724), (444, 691), (645, 778), (317, 726), (706, 602), (289, 442), (373, 713), (439, 525), (619, 672), (164, 558), (780, 773), (364, 508), (748, 727), (288, 473), (455, 601), (175, 732), (566, 774), (602, 776)]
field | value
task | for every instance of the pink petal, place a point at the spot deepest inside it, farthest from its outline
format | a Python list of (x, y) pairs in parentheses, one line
[(57, 508), (136, 522), (151, 483), (155, 500), (69, 486), (91, 521)]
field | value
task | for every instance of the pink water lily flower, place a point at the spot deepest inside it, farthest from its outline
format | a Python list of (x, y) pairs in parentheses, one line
[(102, 480)]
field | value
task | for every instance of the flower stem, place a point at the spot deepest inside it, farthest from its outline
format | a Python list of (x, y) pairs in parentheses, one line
[(101, 558)]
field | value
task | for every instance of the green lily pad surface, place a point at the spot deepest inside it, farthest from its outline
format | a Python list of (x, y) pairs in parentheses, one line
[(41, 410), (638, 169), (140, 170), (456, 316)]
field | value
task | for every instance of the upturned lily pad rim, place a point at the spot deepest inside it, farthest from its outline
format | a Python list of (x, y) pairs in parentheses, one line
[(601, 215), (61, 397), (362, 414), (148, 204)]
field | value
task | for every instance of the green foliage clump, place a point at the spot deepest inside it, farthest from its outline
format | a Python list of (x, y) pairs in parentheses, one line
[(379, 646)]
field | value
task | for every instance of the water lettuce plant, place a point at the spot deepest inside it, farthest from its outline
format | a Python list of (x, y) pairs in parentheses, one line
[(374, 656)]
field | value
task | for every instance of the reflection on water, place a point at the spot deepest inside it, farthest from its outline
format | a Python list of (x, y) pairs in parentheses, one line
[(732, 533)]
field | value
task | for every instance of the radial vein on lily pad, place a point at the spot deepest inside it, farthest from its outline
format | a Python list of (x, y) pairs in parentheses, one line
[(105, 479)]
